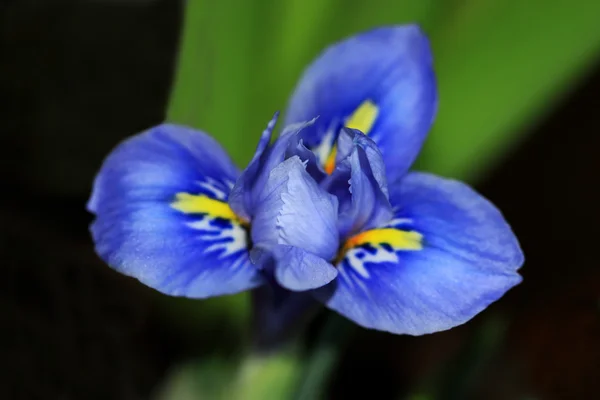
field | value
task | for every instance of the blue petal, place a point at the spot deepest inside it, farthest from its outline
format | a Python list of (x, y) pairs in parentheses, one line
[(240, 198), (380, 82), (265, 137), (308, 157), (445, 257), (353, 139), (360, 184), (162, 217), (244, 194), (299, 270), (293, 210)]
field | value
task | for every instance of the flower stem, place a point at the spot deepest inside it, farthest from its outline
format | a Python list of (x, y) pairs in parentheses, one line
[(335, 334)]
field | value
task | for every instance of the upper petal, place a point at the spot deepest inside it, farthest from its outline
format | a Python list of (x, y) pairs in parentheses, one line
[(241, 197), (359, 183), (293, 210), (445, 257), (380, 82), (160, 201), (244, 194)]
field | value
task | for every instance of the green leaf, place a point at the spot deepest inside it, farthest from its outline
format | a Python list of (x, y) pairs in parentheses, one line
[(207, 379), (213, 79), (271, 376), (501, 65), (268, 377)]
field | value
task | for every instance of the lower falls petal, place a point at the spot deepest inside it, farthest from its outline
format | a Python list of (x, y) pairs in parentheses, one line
[(162, 217), (445, 257)]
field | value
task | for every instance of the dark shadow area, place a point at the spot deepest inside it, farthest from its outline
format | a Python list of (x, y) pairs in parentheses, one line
[(75, 78)]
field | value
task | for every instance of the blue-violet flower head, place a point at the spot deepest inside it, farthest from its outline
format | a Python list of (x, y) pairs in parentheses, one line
[(328, 209)]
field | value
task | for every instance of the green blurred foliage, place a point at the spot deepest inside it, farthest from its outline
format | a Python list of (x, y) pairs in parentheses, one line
[(264, 377), (208, 379), (501, 64)]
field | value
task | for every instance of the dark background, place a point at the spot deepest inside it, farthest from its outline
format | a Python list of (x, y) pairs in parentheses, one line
[(76, 78)]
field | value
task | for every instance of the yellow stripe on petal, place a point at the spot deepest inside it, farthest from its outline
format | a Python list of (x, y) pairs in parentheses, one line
[(217, 227), (202, 204), (330, 162), (382, 246), (363, 119), (395, 238)]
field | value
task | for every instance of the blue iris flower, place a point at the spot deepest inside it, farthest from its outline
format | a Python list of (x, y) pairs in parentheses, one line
[(329, 209)]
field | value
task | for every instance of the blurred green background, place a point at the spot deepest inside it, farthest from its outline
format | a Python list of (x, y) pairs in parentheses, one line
[(500, 65), (518, 82)]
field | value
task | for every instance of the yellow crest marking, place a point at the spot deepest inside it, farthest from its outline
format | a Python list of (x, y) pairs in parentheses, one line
[(190, 204), (363, 119), (330, 162), (397, 239)]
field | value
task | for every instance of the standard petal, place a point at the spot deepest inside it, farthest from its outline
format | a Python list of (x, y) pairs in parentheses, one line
[(308, 157), (293, 210), (160, 201), (380, 82), (445, 257), (240, 198), (352, 139), (360, 184), (244, 194)]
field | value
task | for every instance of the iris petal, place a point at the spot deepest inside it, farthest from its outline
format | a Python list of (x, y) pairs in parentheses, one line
[(240, 198), (359, 183), (380, 82), (351, 140), (298, 270), (244, 194), (160, 201), (445, 257), (308, 157), (293, 210)]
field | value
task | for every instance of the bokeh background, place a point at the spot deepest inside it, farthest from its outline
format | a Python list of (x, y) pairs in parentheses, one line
[(518, 118)]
